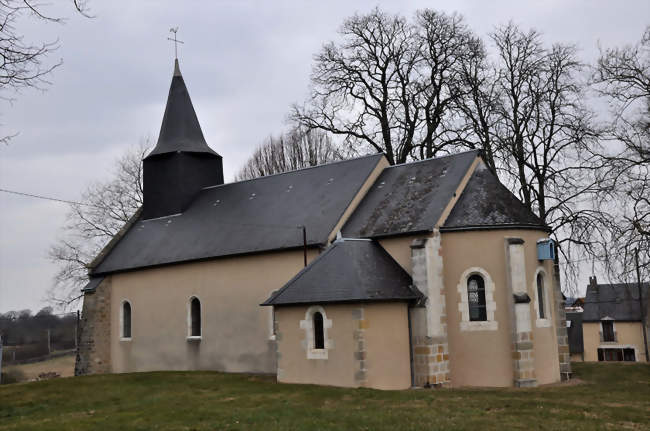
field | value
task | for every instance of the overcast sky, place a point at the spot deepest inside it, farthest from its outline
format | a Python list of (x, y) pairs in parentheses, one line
[(244, 63)]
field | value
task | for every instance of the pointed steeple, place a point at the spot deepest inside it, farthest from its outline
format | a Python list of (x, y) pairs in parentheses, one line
[(182, 163), (180, 130)]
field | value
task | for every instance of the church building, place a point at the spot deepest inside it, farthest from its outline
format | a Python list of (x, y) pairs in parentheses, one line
[(353, 273)]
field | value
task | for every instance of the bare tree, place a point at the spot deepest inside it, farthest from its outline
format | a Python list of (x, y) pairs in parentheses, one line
[(104, 209), (299, 148), (24, 64), (545, 135), (622, 76), (479, 109), (390, 85)]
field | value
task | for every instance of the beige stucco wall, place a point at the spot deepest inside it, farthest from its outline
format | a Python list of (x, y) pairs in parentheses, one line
[(484, 357), (387, 344), (235, 329), (384, 330), (628, 334), (400, 249)]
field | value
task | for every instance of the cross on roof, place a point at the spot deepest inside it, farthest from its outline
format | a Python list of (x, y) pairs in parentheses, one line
[(175, 40)]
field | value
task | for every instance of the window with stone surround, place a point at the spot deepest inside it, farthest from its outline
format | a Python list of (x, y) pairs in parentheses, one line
[(319, 336), (476, 298), (125, 321), (477, 304), (194, 319), (315, 326)]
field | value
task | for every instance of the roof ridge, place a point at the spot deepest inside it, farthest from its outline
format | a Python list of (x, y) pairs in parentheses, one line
[(415, 162), (295, 170)]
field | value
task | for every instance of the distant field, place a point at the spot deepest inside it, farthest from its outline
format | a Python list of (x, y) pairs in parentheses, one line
[(63, 365), (606, 397)]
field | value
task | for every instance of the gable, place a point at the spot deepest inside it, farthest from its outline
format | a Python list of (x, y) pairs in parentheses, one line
[(409, 198), (252, 216), (485, 202)]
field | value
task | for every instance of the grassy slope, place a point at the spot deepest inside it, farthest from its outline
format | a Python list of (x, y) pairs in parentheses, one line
[(614, 396)]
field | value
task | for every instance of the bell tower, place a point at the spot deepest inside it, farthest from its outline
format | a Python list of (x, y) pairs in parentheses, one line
[(181, 163)]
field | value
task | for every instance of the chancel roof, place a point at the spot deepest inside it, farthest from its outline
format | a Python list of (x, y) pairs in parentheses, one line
[(485, 202), (245, 217), (351, 270)]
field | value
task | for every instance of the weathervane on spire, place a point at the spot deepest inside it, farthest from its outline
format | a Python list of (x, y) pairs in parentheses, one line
[(175, 40)]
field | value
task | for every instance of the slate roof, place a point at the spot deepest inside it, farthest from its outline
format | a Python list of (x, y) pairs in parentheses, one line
[(351, 270), (409, 198), (576, 344), (487, 202), (245, 217), (92, 284), (180, 129), (616, 301)]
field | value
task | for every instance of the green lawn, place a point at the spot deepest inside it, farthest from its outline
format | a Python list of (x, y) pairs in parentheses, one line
[(612, 396)]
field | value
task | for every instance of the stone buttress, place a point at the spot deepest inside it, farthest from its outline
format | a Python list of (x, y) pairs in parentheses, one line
[(429, 320)]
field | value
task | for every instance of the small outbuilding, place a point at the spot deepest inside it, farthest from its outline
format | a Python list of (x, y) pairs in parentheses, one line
[(354, 294)]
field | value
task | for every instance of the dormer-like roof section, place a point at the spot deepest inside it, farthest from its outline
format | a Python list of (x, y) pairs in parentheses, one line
[(180, 130), (409, 198)]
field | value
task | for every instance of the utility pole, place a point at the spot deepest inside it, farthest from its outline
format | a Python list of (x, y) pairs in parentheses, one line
[(76, 333), (49, 349), (0, 359), (643, 316), (304, 243)]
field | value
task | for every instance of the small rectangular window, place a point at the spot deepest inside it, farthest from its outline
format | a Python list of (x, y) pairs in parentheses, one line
[(540, 296), (195, 317), (126, 320), (608, 330), (319, 336)]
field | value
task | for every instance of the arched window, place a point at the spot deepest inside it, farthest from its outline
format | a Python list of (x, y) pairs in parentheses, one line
[(319, 335), (126, 319), (195, 317), (541, 297), (476, 298)]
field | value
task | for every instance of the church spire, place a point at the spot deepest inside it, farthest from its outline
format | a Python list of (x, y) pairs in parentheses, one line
[(180, 130), (181, 163)]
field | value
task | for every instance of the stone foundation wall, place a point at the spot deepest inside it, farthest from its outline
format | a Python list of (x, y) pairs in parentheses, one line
[(430, 361), (94, 351), (524, 363)]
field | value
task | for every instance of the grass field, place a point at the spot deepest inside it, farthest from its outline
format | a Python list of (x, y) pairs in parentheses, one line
[(606, 396)]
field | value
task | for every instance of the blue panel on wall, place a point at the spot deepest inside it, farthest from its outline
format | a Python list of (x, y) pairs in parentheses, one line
[(546, 249)]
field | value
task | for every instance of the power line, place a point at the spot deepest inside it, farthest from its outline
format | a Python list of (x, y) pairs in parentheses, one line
[(47, 198), (222, 221)]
